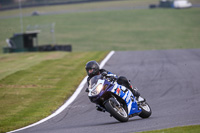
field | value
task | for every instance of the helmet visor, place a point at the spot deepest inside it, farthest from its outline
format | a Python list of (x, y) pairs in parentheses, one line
[(91, 70)]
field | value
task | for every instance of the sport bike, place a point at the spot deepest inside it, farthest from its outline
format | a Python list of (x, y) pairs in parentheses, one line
[(116, 99)]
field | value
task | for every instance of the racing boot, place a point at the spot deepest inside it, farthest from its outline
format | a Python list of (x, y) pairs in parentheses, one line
[(135, 93)]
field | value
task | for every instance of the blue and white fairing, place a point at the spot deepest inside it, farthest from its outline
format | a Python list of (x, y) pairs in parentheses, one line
[(128, 97), (97, 89)]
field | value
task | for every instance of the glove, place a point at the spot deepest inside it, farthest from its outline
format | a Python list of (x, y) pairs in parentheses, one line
[(104, 73), (112, 78)]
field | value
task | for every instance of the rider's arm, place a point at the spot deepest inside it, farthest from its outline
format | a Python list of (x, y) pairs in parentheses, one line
[(108, 74)]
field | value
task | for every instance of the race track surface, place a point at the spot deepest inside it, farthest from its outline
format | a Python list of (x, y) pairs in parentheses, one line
[(168, 79)]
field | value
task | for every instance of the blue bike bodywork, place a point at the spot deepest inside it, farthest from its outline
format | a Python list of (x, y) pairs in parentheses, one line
[(102, 88)]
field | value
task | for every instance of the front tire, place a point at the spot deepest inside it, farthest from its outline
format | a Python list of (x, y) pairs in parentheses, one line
[(117, 111)]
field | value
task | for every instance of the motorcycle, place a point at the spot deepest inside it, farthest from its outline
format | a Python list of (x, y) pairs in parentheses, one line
[(116, 99)]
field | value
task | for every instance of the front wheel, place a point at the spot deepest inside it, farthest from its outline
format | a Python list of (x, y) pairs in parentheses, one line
[(116, 110), (146, 110)]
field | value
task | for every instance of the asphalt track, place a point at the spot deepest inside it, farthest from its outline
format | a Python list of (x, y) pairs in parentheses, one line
[(168, 79)]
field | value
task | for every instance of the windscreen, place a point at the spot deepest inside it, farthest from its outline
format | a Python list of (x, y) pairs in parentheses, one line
[(94, 80)]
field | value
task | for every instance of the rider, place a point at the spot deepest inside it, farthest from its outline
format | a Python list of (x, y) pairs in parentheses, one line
[(92, 68)]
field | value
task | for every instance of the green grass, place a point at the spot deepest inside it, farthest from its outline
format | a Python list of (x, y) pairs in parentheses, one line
[(186, 129), (86, 6), (81, 6), (33, 92), (20, 61), (33, 85), (142, 29)]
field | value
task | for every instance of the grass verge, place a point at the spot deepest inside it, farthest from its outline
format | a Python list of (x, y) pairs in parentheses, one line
[(141, 29), (30, 83), (11, 63), (185, 129), (33, 93)]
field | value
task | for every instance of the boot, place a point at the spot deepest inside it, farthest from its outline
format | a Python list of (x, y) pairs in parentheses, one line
[(135, 93), (133, 90)]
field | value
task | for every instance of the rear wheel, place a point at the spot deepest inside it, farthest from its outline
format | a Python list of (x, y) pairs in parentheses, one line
[(146, 110), (116, 110)]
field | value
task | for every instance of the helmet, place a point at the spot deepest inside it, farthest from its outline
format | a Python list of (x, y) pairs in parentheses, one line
[(92, 68)]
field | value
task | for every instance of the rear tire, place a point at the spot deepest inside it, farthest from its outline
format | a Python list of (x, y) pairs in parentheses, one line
[(146, 110), (117, 111)]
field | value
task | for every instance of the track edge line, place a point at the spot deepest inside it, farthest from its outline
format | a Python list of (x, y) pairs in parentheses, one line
[(69, 101)]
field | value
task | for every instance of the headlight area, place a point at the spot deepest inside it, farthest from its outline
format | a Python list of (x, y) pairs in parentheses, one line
[(97, 90)]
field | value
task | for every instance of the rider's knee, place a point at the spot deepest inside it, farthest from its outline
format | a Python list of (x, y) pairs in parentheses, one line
[(122, 80)]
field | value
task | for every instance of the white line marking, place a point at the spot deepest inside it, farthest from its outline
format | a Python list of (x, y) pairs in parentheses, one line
[(69, 101), (106, 59)]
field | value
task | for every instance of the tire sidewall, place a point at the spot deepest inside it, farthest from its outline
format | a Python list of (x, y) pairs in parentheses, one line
[(116, 115)]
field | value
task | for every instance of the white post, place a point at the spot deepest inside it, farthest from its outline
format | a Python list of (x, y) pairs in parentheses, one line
[(21, 17), (53, 33)]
